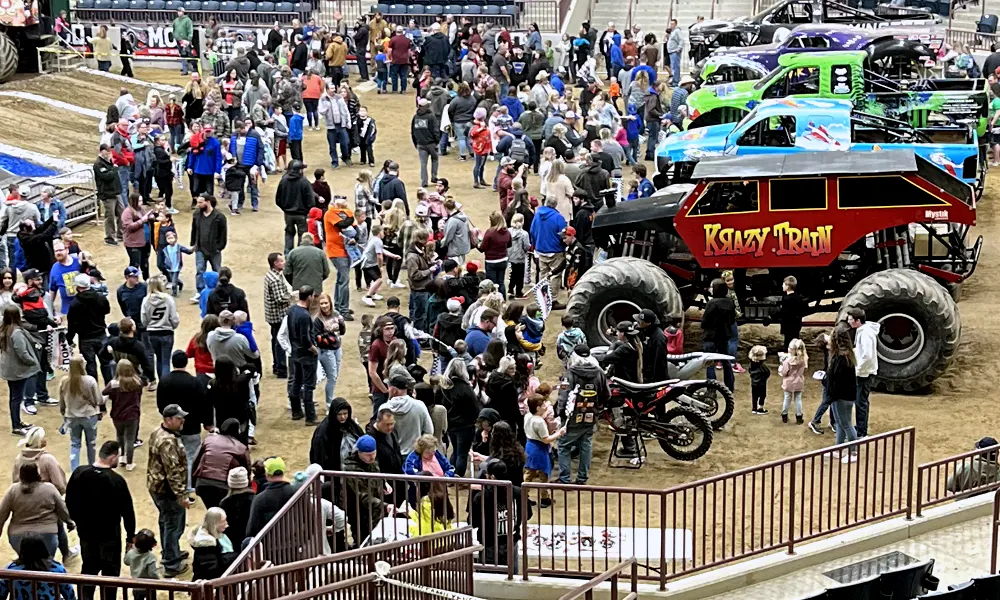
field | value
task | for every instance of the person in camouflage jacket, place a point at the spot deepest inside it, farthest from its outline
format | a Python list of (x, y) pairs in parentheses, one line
[(217, 118), (166, 480)]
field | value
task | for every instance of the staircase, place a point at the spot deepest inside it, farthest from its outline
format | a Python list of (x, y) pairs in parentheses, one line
[(59, 57), (80, 201)]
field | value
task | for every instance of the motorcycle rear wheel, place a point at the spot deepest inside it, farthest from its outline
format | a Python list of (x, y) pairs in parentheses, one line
[(717, 397), (683, 433)]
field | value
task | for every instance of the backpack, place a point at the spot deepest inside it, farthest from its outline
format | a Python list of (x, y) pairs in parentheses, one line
[(519, 150)]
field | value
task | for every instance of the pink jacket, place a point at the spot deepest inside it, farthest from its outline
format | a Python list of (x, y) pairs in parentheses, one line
[(134, 226), (793, 375)]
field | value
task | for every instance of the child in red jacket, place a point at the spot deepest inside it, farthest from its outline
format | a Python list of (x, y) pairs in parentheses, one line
[(482, 145)]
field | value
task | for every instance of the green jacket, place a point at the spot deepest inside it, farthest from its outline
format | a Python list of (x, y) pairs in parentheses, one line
[(183, 28)]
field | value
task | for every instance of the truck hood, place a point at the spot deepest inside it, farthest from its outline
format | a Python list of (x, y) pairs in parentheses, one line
[(714, 26), (695, 144), (737, 95)]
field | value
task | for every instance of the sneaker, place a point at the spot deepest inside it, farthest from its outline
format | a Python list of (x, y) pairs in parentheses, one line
[(397, 285), (50, 376), (377, 297), (152, 387), (348, 317), (196, 298), (849, 458), (463, 158), (784, 417), (832, 454), (168, 573), (130, 467), (545, 503), (815, 428), (761, 411), (738, 368), (111, 242), (475, 186), (172, 211), (367, 300), (47, 401), (29, 408), (233, 213), (138, 443), (798, 420), (371, 164), (121, 461), (558, 306), (297, 416), (312, 422), (74, 551), (20, 431)]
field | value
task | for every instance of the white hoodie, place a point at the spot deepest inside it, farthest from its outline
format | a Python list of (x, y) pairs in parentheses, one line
[(865, 349)]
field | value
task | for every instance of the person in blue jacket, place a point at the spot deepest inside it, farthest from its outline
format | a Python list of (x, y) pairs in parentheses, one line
[(425, 450), (204, 162), (211, 279), (49, 206), (246, 145), (295, 121), (617, 58), (545, 232), (555, 80)]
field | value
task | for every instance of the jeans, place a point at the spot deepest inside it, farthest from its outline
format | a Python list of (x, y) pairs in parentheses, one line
[(824, 405), (172, 522), (861, 405), (443, 143), (425, 152), (104, 65), (79, 427), (162, 345), (462, 137), (580, 438), (51, 541), (495, 272), (295, 228), (727, 367), (124, 176), (112, 219), (632, 151), (127, 432), (176, 135), (6, 258), (397, 73), (192, 444), (101, 556), (201, 260), (366, 151), (845, 428), (418, 309), (139, 257), (461, 443), (362, 66), (334, 136), (789, 398), (342, 291), (16, 389), (312, 116), (516, 288), (89, 349), (279, 362), (653, 131), (734, 342), (675, 68), (331, 366), (478, 169), (301, 385), (439, 71)]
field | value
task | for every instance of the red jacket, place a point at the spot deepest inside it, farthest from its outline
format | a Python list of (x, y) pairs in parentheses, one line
[(482, 144), (313, 223), (174, 114), (203, 362), (121, 147), (505, 189), (399, 49)]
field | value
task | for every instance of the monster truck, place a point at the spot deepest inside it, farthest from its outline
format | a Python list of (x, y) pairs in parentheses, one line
[(927, 103), (788, 15), (807, 125), (883, 231), (892, 52)]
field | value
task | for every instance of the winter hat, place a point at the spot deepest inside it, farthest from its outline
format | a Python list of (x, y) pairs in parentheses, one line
[(366, 443), (238, 478), (455, 304), (480, 113), (472, 267)]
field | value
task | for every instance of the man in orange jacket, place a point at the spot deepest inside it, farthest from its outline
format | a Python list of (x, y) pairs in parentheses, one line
[(337, 218)]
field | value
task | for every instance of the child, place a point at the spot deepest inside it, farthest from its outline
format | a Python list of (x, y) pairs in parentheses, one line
[(633, 130), (758, 379), (517, 254), (66, 235), (448, 330), (372, 263), (314, 224), (381, 73), (538, 462), (125, 393), (550, 53), (142, 562), (62, 26), (366, 136), (569, 338), (614, 93), (164, 173), (280, 138), (675, 335), (173, 262), (534, 325), (320, 187), (244, 326), (791, 310), (235, 181), (295, 126), (462, 351), (793, 378)]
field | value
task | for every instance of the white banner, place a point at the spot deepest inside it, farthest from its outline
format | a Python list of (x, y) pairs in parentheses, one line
[(593, 542)]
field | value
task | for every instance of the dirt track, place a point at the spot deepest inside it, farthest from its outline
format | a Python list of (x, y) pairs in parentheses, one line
[(959, 410)]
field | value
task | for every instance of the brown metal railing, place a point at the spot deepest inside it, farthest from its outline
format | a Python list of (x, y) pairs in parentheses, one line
[(719, 520), (39, 584), (995, 529), (295, 533), (435, 496), (548, 14), (587, 590), (974, 39), (957, 477)]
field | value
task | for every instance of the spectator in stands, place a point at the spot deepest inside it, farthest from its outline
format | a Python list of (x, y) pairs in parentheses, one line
[(981, 471), (183, 30), (272, 498), (399, 57)]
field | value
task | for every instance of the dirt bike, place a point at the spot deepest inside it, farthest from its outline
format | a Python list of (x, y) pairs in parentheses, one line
[(641, 409), (709, 397)]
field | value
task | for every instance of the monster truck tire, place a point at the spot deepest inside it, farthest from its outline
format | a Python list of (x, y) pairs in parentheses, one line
[(922, 300), (620, 282), (8, 58)]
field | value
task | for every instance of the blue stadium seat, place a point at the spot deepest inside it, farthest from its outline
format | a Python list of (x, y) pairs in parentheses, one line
[(229, 6), (102, 4), (265, 6), (154, 5), (174, 4), (395, 9), (382, 8), (415, 9), (284, 7), (491, 9), (86, 4), (192, 5), (210, 5), (987, 24), (508, 9), (303, 7), (452, 9), (472, 10), (248, 6), (119, 4), (137, 5), (433, 9)]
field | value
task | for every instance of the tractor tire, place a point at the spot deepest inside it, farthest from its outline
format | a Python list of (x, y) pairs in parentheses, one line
[(8, 58), (617, 288), (910, 361)]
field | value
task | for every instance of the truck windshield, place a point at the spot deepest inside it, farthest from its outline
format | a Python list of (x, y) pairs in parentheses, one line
[(763, 83)]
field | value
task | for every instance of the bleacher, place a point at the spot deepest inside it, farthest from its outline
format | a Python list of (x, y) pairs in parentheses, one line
[(164, 11), (424, 12), (912, 582)]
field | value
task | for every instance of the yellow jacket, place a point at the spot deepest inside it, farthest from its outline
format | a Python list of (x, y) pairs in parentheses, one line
[(336, 53), (421, 522)]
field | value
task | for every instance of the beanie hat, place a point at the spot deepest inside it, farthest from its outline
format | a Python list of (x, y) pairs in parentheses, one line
[(472, 267), (238, 478), (455, 304), (366, 443)]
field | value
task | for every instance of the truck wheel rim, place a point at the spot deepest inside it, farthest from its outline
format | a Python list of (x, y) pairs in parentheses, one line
[(614, 313), (901, 339)]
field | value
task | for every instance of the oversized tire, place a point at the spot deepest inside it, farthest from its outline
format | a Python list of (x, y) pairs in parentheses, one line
[(615, 290), (920, 329), (8, 58), (696, 438)]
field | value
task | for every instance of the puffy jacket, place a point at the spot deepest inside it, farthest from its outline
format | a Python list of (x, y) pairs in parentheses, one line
[(545, 229), (414, 464), (209, 160), (294, 195), (106, 179), (253, 150), (209, 561), (424, 130), (218, 454), (865, 349), (436, 49)]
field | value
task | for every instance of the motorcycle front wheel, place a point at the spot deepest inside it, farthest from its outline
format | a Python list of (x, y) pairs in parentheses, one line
[(714, 401), (683, 433)]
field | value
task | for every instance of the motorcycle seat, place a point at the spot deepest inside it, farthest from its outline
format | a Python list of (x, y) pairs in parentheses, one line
[(642, 387)]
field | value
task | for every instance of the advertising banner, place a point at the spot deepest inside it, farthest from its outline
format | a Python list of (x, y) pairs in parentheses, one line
[(146, 40)]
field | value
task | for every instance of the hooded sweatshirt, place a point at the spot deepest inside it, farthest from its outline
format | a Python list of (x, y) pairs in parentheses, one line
[(295, 194), (586, 390), (227, 296), (86, 315), (545, 228), (159, 313), (211, 279), (48, 467), (412, 421), (333, 441), (456, 235), (865, 349), (424, 129), (224, 342)]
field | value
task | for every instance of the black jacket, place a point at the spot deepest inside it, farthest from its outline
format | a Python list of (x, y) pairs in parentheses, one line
[(85, 318), (391, 188), (301, 331), (164, 166), (300, 57), (759, 373), (99, 502), (424, 131), (593, 179), (448, 329), (717, 322), (273, 41), (389, 455), (119, 347), (227, 297), (654, 354), (500, 529), (36, 245), (230, 402), (583, 222), (361, 36), (209, 561), (625, 360), (462, 404), (106, 179), (325, 448), (295, 194), (502, 392), (436, 49), (209, 233), (266, 504), (237, 509), (184, 389), (790, 312), (462, 109), (841, 380), (589, 386)]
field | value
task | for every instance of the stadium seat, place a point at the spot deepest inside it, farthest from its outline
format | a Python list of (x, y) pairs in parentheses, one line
[(382, 8), (102, 4), (415, 9), (988, 586), (137, 5), (395, 9), (866, 588), (265, 6), (154, 5), (962, 594), (909, 581), (85, 4), (210, 5), (229, 6), (303, 7), (491, 9), (508, 9), (987, 24), (472, 10), (119, 4), (192, 5), (433, 9), (452, 9), (248, 6), (284, 7), (174, 4)]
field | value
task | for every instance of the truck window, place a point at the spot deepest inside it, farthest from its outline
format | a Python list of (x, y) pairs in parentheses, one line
[(840, 80), (803, 81), (776, 132), (723, 197), (809, 42), (798, 193), (883, 191)]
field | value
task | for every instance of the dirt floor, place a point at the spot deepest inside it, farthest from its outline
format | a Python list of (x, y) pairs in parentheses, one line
[(958, 411)]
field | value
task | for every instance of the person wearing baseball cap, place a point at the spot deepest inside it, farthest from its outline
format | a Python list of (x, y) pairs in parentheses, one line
[(585, 379), (166, 481), (85, 320), (624, 352), (272, 498), (370, 492), (982, 470), (205, 165), (426, 134), (654, 344)]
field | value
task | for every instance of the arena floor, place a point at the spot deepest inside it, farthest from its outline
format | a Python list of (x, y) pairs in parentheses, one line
[(959, 410)]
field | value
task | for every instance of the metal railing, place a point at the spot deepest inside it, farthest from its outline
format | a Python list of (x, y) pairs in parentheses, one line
[(973, 39), (587, 590), (548, 14), (957, 477), (719, 520), (40, 584), (995, 530), (295, 533)]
